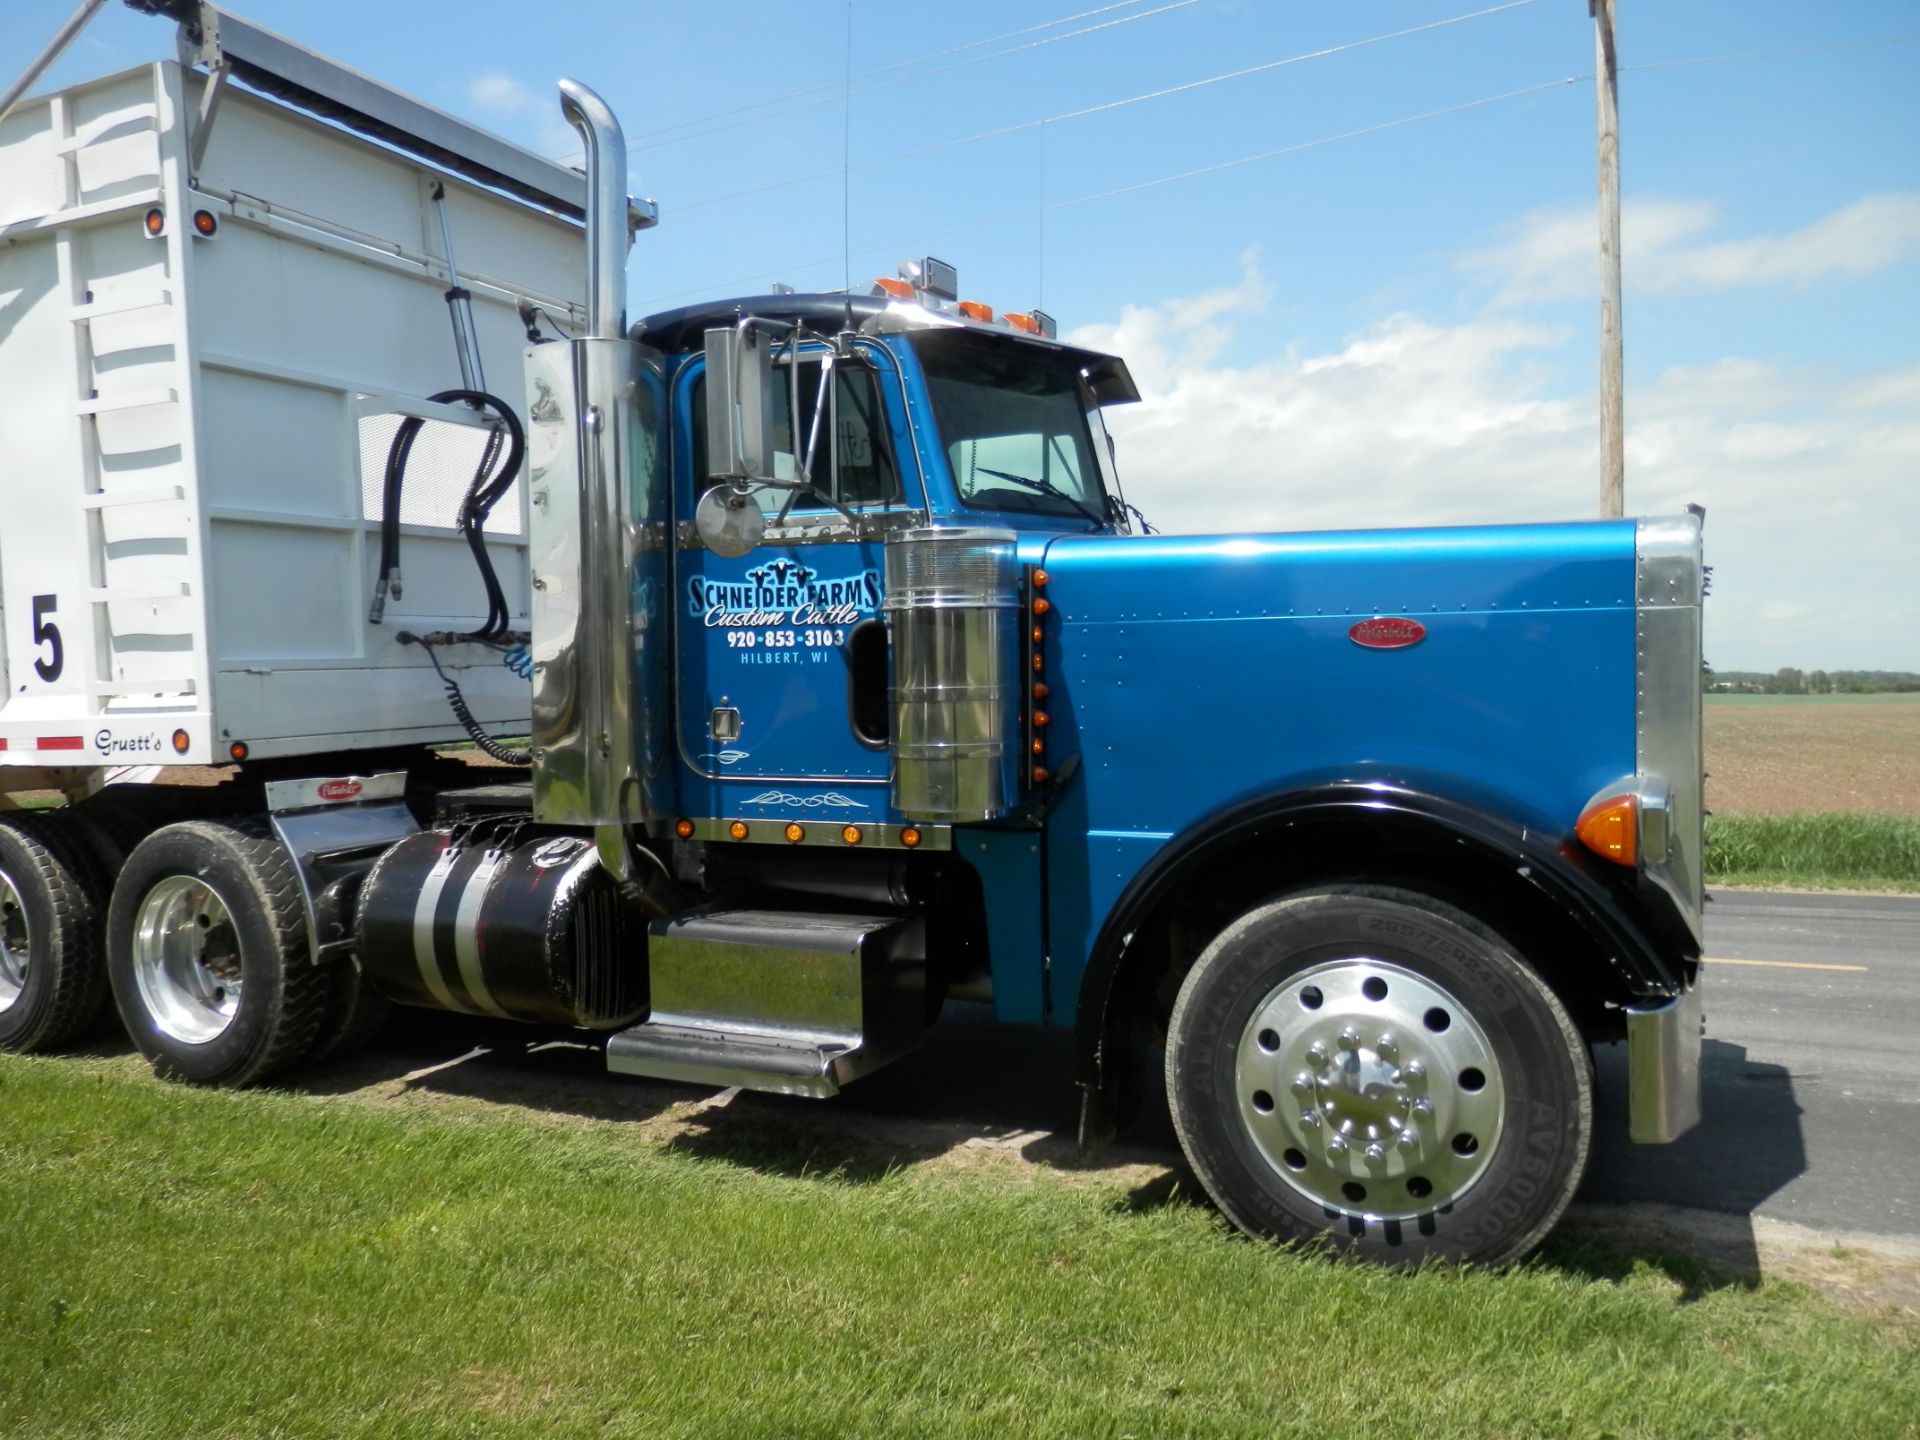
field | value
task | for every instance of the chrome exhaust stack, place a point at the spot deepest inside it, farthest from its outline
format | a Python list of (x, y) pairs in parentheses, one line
[(599, 532)]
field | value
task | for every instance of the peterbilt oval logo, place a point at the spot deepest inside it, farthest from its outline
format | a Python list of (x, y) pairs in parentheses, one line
[(1387, 632), (339, 790)]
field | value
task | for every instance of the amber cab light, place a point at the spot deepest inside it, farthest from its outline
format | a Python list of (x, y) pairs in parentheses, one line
[(1610, 828), (898, 289), (974, 310)]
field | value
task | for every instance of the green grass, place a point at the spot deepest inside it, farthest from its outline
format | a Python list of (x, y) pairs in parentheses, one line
[(192, 1263), (1825, 851)]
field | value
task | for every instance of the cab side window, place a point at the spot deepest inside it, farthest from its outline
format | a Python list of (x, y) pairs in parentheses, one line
[(852, 458)]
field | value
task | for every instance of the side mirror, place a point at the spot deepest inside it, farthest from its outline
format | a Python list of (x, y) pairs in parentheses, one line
[(740, 396), (729, 519)]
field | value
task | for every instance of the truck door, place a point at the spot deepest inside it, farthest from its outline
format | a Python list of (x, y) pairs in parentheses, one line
[(782, 655)]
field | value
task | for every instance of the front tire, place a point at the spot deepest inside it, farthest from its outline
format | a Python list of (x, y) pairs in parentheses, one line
[(207, 952), (1375, 1067)]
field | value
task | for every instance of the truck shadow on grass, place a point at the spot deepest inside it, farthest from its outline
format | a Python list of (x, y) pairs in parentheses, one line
[(981, 1092)]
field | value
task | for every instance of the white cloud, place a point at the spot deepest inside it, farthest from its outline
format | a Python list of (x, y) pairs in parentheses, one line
[(1808, 476), (533, 114), (1664, 246)]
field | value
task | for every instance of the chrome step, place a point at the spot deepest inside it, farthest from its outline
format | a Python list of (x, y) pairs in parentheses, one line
[(785, 1001)]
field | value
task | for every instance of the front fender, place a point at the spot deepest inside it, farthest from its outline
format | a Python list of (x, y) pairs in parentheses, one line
[(1631, 926)]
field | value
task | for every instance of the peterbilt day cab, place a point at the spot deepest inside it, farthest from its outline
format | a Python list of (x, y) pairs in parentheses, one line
[(854, 686)]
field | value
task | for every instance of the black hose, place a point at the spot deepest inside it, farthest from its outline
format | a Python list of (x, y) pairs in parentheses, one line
[(457, 703), (482, 495)]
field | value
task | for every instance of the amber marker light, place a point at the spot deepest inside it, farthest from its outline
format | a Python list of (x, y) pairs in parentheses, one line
[(1039, 747), (155, 222), (796, 832), (1040, 578), (1037, 666), (898, 289), (1041, 720), (910, 837), (683, 828), (1610, 828), (851, 834), (737, 830), (1041, 775), (974, 310), (1042, 605), (1041, 690), (1024, 322), (204, 223), (181, 740), (238, 750)]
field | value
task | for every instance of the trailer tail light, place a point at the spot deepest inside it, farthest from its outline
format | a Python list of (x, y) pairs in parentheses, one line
[(1610, 827), (60, 742)]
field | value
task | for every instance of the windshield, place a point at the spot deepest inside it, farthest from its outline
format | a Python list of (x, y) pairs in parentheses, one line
[(1014, 424)]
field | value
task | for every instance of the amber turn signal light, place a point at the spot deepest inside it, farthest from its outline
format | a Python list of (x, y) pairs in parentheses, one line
[(1610, 828)]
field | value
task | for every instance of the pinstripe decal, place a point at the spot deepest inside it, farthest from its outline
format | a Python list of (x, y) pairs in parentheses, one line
[(423, 955), (466, 933)]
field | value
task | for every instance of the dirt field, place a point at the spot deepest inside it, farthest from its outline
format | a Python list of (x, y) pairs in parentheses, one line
[(1820, 753)]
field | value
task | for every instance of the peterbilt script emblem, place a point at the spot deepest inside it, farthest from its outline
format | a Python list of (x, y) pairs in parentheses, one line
[(339, 790), (1387, 632)]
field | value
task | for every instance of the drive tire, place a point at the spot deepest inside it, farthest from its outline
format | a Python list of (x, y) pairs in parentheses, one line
[(53, 978), (1420, 980), (208, 956), (355, 1013)]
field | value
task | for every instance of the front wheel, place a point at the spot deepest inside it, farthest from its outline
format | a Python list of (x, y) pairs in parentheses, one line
[(1376, 1067)]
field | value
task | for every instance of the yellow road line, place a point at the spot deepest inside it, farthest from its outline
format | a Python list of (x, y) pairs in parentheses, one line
[(1786, 964)]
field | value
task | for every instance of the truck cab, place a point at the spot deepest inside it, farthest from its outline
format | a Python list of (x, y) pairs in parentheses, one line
[(855, 689)]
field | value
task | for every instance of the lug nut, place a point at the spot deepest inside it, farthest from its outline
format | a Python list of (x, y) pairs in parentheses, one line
[(1337, 1145), (1303, 1084), (1386, 1047), (1409, 1139), (1349, 1038), (1310, 1118), (1423, 1107), (1317, 1054), (1376, 1151), (1413, 1071)]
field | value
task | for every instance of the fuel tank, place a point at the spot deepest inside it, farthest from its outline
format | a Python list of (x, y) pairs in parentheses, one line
[(506, 920)]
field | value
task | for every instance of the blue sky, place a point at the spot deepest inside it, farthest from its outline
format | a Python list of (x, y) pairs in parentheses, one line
[(1397, 327)]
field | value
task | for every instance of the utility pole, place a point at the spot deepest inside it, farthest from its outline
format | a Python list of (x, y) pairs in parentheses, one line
[(1612, 409)]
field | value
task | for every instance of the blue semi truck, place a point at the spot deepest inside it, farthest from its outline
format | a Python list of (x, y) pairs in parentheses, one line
[(857, 689)]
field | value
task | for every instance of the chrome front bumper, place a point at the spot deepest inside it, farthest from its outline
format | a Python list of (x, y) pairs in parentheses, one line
[(1663, 1069)]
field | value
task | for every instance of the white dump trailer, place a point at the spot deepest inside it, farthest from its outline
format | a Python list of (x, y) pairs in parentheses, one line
[(215, 313)]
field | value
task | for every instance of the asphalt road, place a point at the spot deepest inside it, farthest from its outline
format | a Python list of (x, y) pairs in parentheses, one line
[(1810, 1071)]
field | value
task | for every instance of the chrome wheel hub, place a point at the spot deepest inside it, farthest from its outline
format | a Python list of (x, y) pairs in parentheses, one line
[(15, 942), (1370, 1089), (186, 959)]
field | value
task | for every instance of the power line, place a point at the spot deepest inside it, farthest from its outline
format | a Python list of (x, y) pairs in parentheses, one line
[(1110, 105), (921, 239), (928, 74), (886, 69)]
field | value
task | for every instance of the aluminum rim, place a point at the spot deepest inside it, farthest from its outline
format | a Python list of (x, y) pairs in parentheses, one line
[(186, 959), (16, 942), (1370, 1089)]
